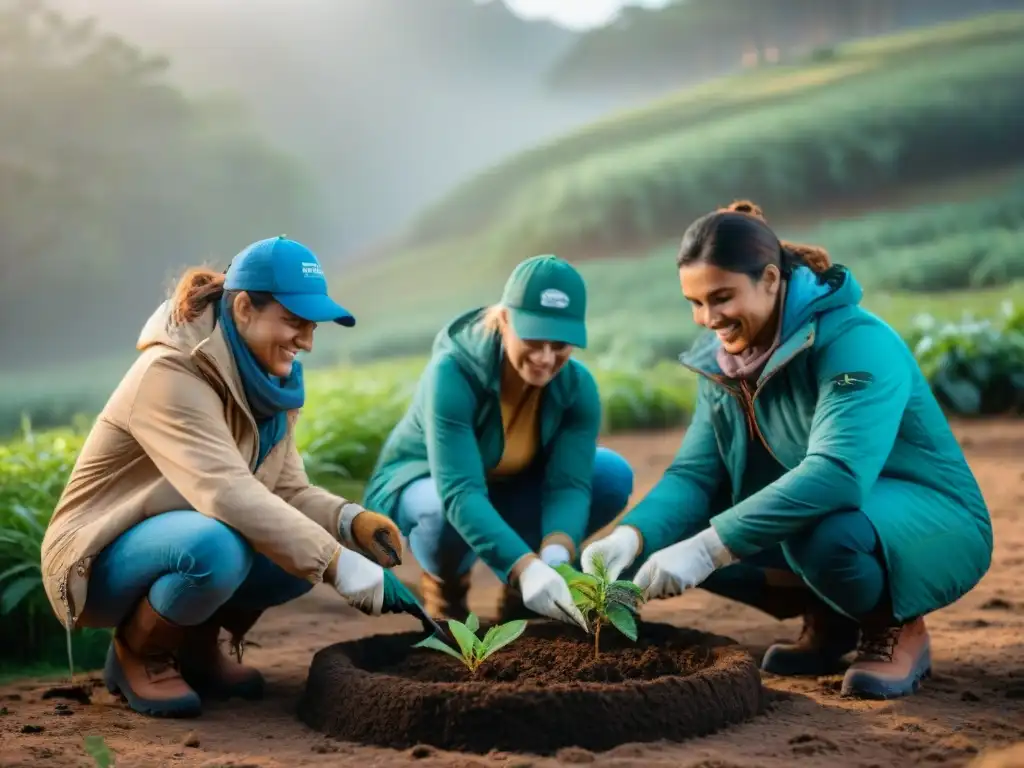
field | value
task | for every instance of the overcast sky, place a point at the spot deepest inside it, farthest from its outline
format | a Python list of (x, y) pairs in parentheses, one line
[(576, 14)]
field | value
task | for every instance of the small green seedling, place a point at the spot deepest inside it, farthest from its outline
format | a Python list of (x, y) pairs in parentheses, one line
[(603, 601), (474, 649)]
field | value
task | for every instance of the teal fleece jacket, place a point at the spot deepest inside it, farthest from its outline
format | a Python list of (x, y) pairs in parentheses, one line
[(452, 431), (843, 407)]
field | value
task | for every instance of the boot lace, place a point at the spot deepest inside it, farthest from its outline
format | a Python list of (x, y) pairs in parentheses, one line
[(878, 644), (238, 644)]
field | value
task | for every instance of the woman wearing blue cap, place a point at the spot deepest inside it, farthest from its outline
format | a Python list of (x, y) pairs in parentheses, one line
[(497, 456), (188, 509), (819, 475)]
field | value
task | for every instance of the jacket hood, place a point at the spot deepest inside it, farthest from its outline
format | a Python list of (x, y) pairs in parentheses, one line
[(810, 294), (201, 340), (477, 350), (160, 329)]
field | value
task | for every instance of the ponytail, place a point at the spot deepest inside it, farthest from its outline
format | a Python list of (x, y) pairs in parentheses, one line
[(196, 290), (791, 255)]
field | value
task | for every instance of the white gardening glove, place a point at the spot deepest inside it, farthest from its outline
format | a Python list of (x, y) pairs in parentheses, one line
[(618, 550), (555, 554), (545, 592), (360, 581), (672, 570)]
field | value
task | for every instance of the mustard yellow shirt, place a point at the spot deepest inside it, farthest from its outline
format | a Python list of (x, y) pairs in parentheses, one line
[(520, 421)]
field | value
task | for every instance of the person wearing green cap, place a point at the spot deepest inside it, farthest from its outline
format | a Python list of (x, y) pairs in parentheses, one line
[(497, 456), (188, 510)]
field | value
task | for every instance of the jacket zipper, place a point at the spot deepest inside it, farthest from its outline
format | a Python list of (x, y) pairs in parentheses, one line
[(746, 400)]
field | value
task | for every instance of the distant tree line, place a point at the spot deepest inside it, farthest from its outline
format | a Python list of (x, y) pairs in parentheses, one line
[(111, 180), (692, 40)]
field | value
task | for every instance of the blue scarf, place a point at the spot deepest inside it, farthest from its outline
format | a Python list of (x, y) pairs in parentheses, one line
[(269, 397)]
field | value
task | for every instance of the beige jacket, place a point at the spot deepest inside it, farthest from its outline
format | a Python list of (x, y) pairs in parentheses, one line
[(177, 434)]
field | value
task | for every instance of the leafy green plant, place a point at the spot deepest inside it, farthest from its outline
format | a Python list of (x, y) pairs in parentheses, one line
[(974, 367), (602, 600), (475, 650)]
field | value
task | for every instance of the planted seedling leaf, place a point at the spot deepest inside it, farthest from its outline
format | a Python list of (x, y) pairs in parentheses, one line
[(473, 649), (438, 645), (500, 636), (621, 617), (604, 601), (464, 637)]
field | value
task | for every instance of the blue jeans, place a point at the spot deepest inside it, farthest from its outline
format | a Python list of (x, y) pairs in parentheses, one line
[(189, 565), (439, 548), (839, 557)]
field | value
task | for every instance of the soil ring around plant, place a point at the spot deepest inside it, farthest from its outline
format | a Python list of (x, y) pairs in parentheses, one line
[(543, 692)]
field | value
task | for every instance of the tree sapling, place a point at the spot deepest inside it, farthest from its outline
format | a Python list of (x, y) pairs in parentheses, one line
[(602, 600), (474, 650)]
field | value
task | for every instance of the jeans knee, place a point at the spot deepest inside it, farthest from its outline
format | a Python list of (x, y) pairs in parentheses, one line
[(420, 507), (613, 479), (217, 558)]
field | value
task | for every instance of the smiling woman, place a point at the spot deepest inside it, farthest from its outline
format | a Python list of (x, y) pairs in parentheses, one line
[(189, 509), (818, 476), (497, 456)]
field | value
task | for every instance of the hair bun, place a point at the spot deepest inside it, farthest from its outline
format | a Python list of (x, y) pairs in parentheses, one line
[(810, 255), (748, 207)]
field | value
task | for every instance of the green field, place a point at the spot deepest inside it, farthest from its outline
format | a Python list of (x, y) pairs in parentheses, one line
[(873, 113), (944, 258), (899, 155)]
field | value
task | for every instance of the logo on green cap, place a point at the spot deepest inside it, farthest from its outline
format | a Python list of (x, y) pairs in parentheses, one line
[(554, 299)]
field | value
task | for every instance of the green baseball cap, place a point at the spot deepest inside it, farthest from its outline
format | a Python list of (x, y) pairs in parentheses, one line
[(546, 300)]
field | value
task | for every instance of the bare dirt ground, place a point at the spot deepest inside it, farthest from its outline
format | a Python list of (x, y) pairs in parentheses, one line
[(970, 712)]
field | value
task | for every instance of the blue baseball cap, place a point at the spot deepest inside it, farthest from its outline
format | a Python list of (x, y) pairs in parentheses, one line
[(291, 273)]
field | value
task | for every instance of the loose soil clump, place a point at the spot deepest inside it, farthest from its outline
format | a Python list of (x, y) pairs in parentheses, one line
[(544, 692)]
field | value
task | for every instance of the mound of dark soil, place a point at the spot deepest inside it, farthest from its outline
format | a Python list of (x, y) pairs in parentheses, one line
[(542, 693), (548, 655)]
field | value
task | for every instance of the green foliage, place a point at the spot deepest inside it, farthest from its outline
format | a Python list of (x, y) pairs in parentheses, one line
[(602, 600), (637, 315), (96, 747), (975, 367), (792, 135), (474, 651), (33, 471), (110, 179)]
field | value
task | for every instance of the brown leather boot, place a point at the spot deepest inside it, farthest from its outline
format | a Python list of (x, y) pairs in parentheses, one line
[(826, 637), (212, 673), (445, 599), (142, 666), (892, 660)]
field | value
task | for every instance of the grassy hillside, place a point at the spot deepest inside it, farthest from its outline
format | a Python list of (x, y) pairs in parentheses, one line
[(921, 125), (910, 257), (873, 113)]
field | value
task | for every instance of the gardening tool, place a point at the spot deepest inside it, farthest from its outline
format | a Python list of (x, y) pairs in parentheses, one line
[(381, 537), (429, 624), (417, 610)]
